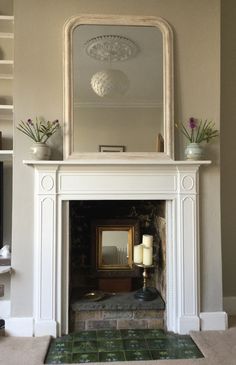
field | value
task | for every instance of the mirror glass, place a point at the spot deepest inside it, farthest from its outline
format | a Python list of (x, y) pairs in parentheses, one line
[(115, 247), (117, 88)]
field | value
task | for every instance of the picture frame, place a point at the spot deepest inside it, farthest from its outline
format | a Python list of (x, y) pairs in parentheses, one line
[(102, 253), (160, 143), (111, 148)]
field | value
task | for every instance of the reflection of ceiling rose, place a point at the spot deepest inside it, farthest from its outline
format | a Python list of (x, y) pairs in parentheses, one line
[(109, 82), (111, 48)]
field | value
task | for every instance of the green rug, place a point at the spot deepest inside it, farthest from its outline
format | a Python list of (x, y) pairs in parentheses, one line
[(120, 345)]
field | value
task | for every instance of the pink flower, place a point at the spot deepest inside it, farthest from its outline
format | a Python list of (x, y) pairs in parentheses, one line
[(192, 123)]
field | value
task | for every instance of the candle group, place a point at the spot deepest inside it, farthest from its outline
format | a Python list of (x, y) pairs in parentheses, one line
[(143, 253)]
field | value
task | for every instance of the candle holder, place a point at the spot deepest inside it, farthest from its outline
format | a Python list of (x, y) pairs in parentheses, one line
[(146, 293)]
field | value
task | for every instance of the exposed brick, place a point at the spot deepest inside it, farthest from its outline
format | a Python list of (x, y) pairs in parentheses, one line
[(132, 324), (78, 326), (145, 314), (117, 314), (156, 323), (105, 324), (85, 315)]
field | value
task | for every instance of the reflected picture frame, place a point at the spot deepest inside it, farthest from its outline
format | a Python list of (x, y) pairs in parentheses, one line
[(110, 148)]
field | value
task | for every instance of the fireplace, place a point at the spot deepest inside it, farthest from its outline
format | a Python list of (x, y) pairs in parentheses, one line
[(57, 183), (108, 272)]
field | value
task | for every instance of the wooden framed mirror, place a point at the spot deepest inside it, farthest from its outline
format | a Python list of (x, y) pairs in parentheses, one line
[(134, 53), (113, 241)]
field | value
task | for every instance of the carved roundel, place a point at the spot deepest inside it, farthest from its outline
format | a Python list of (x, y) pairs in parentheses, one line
[(47, 183), (187, 182)]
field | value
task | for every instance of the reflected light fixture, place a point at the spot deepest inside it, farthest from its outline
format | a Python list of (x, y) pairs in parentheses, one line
[(110, 48), (109, 82)]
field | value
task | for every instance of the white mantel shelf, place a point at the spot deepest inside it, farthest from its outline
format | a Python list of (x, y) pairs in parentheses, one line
[(115, 178), (117, 162), (5, 269)]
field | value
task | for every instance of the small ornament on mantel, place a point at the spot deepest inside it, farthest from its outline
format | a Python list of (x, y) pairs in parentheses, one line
[(39, 131), (197, 132)]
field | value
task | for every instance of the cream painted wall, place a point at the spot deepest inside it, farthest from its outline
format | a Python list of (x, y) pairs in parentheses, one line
[(135, 128), (228, 152), (38, 91)]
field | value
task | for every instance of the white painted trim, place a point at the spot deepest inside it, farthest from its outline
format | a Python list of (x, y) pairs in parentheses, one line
[(5, 307), (45, 328), (115, 159), (65, 262), (16, 326), (188, 323), (213, 321), (229, 304)]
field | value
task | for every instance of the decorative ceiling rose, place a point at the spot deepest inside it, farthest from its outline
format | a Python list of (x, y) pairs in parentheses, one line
[(109, 82), (111, 48)]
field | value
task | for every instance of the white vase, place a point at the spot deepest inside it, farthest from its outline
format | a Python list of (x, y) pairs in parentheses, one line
[(194, 151), (40, 151)]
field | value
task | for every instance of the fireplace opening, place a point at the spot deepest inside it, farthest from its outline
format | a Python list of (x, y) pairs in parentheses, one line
[(104, 299)]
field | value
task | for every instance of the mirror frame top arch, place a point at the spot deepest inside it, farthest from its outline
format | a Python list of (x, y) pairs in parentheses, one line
[(168, 85)]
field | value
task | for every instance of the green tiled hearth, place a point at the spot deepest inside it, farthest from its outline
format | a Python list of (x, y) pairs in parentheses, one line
[(120, 345)]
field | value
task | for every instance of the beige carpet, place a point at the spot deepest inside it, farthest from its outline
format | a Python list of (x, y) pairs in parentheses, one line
[(23, 350), (218, 347)]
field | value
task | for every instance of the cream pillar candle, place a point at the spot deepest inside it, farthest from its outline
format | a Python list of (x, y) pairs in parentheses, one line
[(138, 254), (147, 240), (147, 255)]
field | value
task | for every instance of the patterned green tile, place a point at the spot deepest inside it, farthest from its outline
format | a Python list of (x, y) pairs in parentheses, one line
[(138, 355), (84, 335), (163, 354), (85, 358), (154, 333), (110, 345), (111, 356), (184, 343), (134, 345), (188, 354), (137, 334), (158, 343), (108, 334), (84, 346), (58, 359), (61, 347), (120, 345)]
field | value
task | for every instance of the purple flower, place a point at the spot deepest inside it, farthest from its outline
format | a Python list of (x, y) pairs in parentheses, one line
[(192, 123), (29, 121)]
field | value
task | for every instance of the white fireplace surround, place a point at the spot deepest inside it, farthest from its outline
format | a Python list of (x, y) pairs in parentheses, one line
[(58, 182)]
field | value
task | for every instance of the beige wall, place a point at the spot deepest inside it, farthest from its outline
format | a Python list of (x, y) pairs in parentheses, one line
[(38, 91), (117, 126), (228, 154)]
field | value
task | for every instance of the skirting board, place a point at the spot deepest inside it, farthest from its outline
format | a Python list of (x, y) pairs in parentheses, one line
[(5, 306), (215, 321), (230, 305), (19, 326)]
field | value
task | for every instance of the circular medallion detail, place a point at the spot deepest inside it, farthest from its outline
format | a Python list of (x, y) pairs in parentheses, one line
[(111, 48), (47, 183), (187, 182)]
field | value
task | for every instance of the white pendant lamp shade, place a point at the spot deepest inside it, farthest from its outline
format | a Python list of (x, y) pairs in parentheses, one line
[(110, 82)]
